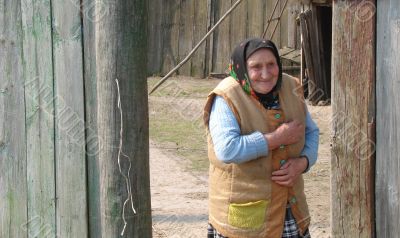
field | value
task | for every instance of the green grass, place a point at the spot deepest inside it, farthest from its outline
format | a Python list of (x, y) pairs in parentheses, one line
[(179, 129)]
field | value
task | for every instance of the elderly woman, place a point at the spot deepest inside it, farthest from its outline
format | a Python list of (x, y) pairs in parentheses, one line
[(261, 138)]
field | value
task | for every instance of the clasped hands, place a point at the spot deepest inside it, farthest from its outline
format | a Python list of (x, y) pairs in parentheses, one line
[(286, 134)]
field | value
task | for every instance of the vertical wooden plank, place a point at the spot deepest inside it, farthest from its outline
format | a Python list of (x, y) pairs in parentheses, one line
[(270, 7), (353, 109), (388, 113), (155, 29), (39, 99), (186, 34), (256, 18), (171, 35), (199, 60), (292, 25), (13, 197), (222, 39), (238, 24), (71, 205), (211, 18), (283, 25), (92, 139), (121, 50)]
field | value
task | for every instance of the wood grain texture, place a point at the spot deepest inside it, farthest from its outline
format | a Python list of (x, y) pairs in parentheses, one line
[(199, 61), (388, 114), (186, 32), (89, 20), (283, 25), (171, 22), (270, 7), (71, 205), (13, 186), (155, 31), (121, 44), (353, 108), (256, 18), (239, 24), (222, 38), (39, 100)]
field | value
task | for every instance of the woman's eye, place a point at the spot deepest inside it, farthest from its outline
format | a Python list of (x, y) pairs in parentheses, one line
[(256, 67)]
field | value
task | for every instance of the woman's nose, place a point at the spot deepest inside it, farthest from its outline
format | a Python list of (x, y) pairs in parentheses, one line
[(264, 73)]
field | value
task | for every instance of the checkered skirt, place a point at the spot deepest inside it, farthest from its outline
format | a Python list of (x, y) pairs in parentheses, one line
[(290, 229)]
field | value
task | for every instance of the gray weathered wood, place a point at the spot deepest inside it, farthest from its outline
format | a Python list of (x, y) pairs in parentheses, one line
[(186, 31), (71, 205), (238, 27), (222, 38), (199, 60), (13, 187), (353, 108), (269, 9), (39, 100), (292, 25), (170, 28), (155, 31), (91, 134), (256, 18), (121, 43), (283, 25), (388, 115)]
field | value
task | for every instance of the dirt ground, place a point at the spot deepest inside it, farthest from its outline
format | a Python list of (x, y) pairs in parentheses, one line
[(179, 194)]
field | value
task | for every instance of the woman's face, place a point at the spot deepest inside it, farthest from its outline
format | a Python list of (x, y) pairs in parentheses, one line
[(263, 70)]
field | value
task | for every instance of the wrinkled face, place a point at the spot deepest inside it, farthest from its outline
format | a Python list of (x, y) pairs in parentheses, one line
[(263, 70)]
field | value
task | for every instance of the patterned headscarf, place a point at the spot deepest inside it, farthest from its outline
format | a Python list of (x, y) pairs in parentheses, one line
[(238, 69)]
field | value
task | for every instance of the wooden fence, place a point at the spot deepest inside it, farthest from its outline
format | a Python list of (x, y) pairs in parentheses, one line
[(176, 26), (387, 184), (52, 183)]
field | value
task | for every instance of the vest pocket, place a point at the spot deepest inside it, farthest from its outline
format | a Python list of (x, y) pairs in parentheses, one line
[(247, 215)]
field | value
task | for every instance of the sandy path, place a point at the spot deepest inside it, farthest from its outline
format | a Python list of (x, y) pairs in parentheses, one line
[(179, 198)]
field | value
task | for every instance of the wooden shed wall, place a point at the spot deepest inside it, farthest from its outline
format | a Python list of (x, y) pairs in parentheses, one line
[(50, 172), (176, 26), (388, 119)]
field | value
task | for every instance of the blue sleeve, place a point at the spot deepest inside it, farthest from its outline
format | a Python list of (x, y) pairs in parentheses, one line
[(229, 145), (310, 149)]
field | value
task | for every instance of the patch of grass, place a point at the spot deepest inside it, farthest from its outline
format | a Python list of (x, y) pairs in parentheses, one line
[(179, 129)]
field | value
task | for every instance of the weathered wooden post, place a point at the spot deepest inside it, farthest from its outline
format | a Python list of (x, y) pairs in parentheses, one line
[(353, 111), (13, 184), (388, 112), (121, 53)]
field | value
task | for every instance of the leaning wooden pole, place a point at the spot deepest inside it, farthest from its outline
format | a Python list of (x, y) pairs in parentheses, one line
[(353, 111), (121, 46)]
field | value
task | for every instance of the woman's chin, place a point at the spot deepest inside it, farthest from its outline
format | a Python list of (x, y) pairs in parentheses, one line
[(264, 90)]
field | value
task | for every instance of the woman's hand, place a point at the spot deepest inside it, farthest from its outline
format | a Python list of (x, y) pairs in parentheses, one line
[(290, 171), (286, 134)]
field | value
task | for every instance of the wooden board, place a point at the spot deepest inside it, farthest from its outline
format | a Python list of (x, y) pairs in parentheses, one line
[(269, 9), (256, 18), (171, 35), (388, 114), (201, 12), (353, 109), (186, 28), (13, 187), (155, 30), (121, 43), (92, 139), (239, 24), (71, 205), (39, 100), (283, 25), (222, 38)]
